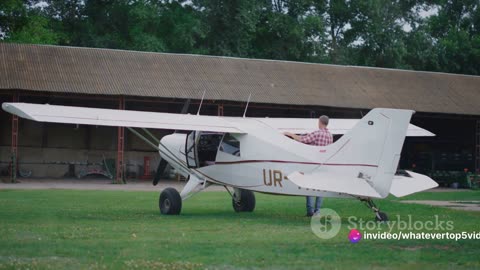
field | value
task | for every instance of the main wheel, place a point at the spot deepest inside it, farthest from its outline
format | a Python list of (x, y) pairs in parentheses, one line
[(170, 202), (381, 217), (246, 202)]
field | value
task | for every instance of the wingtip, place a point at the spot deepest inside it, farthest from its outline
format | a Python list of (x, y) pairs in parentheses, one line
[(14, 108), (5, 106)]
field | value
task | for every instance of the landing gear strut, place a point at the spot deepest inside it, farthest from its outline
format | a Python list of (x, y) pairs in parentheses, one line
[(379, 216)]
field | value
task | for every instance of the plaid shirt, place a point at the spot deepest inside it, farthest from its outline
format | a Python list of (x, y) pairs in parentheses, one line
[(321, 137)]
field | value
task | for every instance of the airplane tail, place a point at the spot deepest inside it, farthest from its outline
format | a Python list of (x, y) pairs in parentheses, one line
[(374, 145), (364, 161)]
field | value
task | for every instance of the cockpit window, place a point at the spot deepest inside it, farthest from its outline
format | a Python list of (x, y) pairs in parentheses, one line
[(230, 145)]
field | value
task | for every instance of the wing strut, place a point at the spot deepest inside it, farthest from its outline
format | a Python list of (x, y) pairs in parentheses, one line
[(143, 138)]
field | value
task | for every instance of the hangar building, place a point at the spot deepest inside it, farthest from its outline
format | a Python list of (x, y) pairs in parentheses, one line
[(446, 104)]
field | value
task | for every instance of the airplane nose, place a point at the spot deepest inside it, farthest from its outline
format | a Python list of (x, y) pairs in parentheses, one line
[(172, 144)]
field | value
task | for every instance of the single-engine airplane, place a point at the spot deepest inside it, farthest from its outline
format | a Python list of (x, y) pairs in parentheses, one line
[(252, 154)]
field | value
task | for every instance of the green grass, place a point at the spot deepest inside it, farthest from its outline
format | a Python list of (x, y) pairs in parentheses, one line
[(54, 229)]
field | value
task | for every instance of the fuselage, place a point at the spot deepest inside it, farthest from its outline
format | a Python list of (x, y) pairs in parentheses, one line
[(258, 161)]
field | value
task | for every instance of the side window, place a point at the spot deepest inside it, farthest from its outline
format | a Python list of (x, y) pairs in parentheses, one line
[(191, 150), (230, 145)]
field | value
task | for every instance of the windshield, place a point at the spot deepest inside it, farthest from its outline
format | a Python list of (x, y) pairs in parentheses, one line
[(230, 145)]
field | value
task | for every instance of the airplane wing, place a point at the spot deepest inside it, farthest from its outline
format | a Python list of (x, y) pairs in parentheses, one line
[(140, 119), (334, 183), (336, 126), (121, 118)]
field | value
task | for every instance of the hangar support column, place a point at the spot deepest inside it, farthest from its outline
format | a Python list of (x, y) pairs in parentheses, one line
[(220, 110), (14, 150), (477, 147), (119, 177)]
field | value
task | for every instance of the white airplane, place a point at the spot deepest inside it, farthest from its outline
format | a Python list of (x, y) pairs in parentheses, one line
[(252, 154)]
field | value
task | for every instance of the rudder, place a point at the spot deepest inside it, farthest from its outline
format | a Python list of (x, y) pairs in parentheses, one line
[(372, 148)]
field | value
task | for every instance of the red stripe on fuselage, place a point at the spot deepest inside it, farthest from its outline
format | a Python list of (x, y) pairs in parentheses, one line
[(294, 162)]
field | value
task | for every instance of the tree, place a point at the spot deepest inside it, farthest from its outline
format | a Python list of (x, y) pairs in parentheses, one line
[(13, 16), (35, 30), (455, 30), (229, 26), (421, 51), (336, 15), (278, 36), (22, 22), (289, 30), (180, 26), (65, 19), (376, 37)]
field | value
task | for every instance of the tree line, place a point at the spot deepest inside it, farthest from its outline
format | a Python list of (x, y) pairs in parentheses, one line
[(431, 35)]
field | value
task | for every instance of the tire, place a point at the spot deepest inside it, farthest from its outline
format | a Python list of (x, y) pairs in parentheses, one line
[(170, 202), (381, 217), (246, 203)]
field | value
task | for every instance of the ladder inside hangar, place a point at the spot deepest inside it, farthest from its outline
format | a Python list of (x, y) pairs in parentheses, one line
[(477, 147)]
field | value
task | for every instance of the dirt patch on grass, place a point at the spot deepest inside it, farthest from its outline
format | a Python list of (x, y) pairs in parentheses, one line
[(420, 247), (97, 184), (458, 205)]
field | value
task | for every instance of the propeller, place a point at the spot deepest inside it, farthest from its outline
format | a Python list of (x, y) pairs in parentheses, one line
[(162, 165)]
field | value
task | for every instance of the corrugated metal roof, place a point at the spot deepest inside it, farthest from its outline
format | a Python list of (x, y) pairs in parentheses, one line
[(117, 72)]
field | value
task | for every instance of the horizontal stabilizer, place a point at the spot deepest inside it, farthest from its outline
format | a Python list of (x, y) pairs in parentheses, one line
[(413, 182), (334, 183)]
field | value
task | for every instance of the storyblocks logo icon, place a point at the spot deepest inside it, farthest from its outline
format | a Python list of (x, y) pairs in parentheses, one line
[(326, 224)]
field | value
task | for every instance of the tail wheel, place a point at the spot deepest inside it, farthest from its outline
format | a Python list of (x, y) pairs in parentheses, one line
[(170, 202), (244, 201), (381, 217)]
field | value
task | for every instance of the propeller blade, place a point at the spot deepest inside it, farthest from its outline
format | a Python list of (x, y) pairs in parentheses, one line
[(185, 109), (185, 106), (160, 169)]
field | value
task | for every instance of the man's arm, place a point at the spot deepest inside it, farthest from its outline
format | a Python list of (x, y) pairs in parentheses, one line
[(293, 136)]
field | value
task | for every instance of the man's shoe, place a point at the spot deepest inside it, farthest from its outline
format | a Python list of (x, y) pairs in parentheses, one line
[(309, 214)]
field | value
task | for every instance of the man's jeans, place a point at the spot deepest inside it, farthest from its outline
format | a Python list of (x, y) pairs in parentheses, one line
[(318, 204)]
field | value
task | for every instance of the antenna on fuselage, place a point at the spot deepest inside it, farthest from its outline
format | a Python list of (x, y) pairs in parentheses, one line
[(201, 102), (246, 107)]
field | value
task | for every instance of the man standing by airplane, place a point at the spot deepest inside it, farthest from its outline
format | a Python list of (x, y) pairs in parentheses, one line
[(320, 137)]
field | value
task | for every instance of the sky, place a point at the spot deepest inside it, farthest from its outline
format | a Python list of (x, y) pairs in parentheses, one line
[(424, 14)]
